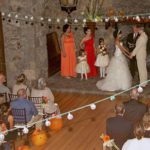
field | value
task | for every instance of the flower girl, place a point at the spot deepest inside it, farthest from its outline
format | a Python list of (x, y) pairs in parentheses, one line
[(82, 66), (102, 59)]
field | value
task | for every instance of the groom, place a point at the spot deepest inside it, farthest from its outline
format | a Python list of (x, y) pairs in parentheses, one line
[(131, 42), (140, 53)]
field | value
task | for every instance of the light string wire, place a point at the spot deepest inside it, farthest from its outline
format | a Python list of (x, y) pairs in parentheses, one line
[(79, 108), (45, 19)]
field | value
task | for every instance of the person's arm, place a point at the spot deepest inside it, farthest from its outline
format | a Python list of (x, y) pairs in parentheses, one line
[(82, 44), (11, 121), (62, 44), (138, 47)]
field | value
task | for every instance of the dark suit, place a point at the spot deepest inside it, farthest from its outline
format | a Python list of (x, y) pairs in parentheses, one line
[(130, 43), (134, 111), (119, 129)]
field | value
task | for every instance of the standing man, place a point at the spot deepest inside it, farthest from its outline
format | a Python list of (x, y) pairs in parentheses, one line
[(131, 42), (140, 53)]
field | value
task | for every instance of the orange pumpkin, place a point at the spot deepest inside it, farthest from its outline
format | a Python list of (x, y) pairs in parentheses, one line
[(23, 148), (56, 124), (39, 138)]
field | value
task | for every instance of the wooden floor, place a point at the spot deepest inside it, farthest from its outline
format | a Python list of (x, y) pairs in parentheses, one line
[(83, 132)]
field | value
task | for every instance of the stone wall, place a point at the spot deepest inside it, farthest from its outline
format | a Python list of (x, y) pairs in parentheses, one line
[(25, 45)]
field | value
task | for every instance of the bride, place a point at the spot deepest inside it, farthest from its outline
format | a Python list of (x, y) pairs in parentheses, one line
[(119, 76)]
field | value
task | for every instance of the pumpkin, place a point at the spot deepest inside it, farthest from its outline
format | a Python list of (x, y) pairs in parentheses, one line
[(56, 124), (23, 148), (39, 138)]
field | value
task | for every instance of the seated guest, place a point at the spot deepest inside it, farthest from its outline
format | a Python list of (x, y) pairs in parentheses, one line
[(23, 103), (43, 91), (118, 128), (146, 124), (3, 89), (20, 84), (7, 122), (139, 142), (135, 110)]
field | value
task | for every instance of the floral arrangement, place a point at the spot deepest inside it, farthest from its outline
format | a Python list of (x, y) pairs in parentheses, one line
[(102, 50), (44, 100), (108, 142), (93, 10)]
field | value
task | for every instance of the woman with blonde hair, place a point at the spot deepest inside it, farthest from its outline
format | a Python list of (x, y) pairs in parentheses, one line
[(20, 84)]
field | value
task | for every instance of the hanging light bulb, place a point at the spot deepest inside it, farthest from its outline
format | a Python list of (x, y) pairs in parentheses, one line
[(47, 123), (16, 16), (26, 17), (140, 89), (148, 17), (70, 116), (66, 20), (25, 130), (32, 18), (137, 18), (116, 19), (58, 20), (84, 20), (3, 14), (75, 21), (41, 18), (9, 15), (93, 106), (112, 98), (49, 19)]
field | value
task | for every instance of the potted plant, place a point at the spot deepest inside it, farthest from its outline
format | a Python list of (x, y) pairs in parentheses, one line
[(93, 13)]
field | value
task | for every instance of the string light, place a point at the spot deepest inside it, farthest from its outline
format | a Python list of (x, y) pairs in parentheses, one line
[(41, 18), (106, 19), (25, 130), (140, 89), (116, 19), (112, 98), (93, 106), (16, 16), (26, 17), (75, 21), (3, 14), (58, 20), (49, 19), (47, 123), (96, 20), (70, 116), (9, 15), (138, 18), (32, 18), (66, 20)]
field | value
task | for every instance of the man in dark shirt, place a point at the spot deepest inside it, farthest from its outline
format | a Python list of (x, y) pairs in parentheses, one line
[(118, 128), (22, 102), (134, 110), (130, 43)]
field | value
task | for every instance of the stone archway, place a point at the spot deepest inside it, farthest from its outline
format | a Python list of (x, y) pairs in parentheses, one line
[(2, 53)]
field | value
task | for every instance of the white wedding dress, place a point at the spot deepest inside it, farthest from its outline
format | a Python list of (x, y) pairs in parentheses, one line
[(118, 74)]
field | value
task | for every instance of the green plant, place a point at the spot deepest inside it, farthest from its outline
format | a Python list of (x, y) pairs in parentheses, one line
[(93, 10)]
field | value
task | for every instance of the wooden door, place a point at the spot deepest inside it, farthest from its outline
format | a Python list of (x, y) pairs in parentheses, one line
[(2, 54), (54, 52)]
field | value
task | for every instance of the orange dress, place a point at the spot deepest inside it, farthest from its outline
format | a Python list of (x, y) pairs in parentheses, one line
[(68, 63)]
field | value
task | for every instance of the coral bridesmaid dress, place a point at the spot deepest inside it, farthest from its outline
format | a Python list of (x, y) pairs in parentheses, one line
[(89, 48), (68, 63)]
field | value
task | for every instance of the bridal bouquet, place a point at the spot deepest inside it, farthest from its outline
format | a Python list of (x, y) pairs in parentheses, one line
[(108, 142)]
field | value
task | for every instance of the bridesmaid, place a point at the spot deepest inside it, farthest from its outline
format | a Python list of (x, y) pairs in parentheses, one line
[(88, 44), (68, 56)]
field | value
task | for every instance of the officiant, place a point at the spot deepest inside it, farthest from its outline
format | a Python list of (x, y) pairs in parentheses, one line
[(130, 43)]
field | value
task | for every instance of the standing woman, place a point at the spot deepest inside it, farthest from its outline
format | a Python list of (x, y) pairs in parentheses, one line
[(68, 56), (88, 44)]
